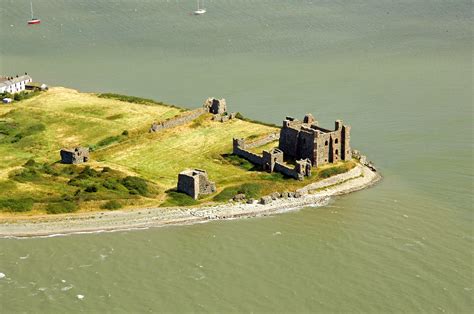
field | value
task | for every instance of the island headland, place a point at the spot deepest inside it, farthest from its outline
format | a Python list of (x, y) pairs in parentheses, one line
[(80, 162)]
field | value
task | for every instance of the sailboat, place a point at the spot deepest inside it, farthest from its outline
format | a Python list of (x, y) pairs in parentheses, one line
[(199, 11), (33, 20)]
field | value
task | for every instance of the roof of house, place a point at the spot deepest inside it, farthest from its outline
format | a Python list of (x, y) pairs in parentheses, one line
[(7, 81)]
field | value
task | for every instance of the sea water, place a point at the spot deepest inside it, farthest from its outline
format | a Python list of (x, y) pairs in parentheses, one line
[(400, 73)]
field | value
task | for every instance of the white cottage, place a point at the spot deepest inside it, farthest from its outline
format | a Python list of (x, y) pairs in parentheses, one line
[(9, 84)]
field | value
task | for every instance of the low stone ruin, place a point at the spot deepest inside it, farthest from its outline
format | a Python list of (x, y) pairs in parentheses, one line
[(218, 108), (76, 155), (215, 106), (195, 182), (272, 160)]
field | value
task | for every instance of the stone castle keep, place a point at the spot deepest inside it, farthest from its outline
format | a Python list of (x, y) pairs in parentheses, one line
[(76, 155), (307, 140), (304, 142), (195, 182)]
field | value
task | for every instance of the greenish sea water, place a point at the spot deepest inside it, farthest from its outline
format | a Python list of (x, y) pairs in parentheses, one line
[(399, 72)]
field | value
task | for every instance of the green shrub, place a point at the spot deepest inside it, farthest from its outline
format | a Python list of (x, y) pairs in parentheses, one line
[(30, 163), (251, 190), (49, 170), (135, 185), (35, 128), (88, 172), (115, 116), (17, 138), (178, 199), (111, 205), (329, 172), (91, 189), (111, 184), (25, 175), (107, 141), (61, 207), (16, 205), (125, 133)]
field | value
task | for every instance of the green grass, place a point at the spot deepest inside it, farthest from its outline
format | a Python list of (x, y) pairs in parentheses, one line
[(135, 100), (239, 161), (329, 172), (62, 207), (111, 205)]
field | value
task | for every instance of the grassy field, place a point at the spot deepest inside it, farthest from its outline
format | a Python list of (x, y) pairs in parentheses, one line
[(127, 169)]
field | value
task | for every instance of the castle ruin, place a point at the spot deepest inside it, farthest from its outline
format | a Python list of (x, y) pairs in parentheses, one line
[(195, 182), (307, 140), (304, 142), (76, 155), (215, 106)]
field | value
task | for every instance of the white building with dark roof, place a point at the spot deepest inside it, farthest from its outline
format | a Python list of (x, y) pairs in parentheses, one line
[(9, 84)]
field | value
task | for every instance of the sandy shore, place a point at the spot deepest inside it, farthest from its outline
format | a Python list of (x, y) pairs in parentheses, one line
[(315, 194)]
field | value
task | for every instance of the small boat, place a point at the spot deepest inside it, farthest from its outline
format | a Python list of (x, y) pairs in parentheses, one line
[(33, 20), (199, 11)]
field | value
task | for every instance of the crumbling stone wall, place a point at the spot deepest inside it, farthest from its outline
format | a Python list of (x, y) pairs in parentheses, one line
[(177, 121), (240, 149), (195, 182), (74, 155), (271, 161)]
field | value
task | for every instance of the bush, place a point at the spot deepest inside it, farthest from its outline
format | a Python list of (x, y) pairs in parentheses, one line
[(251, 190), (111, 205), (329, 172), (25, 175), (17, 205), (91, 189), (61, 207), (35, 128), (125, 133), (88, 172), (49, 170), (107, 141), (30, 163), (111, 184), (178, 199), (135, 185)]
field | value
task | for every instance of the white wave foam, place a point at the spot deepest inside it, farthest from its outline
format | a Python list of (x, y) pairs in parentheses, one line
[(2, 275), (80, 296)]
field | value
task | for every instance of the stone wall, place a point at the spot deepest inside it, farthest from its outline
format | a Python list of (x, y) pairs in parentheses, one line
[(239, 149), (271, 161), (178, 120)]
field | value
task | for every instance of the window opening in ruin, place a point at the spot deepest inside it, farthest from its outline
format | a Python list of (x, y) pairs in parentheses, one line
[(326, 143)]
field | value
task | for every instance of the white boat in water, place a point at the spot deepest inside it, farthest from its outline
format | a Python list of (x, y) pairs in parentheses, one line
[(199, 11), (33, 20)]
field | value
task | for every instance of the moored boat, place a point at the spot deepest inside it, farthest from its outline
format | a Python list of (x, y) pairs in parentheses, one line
[(33, 20)]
